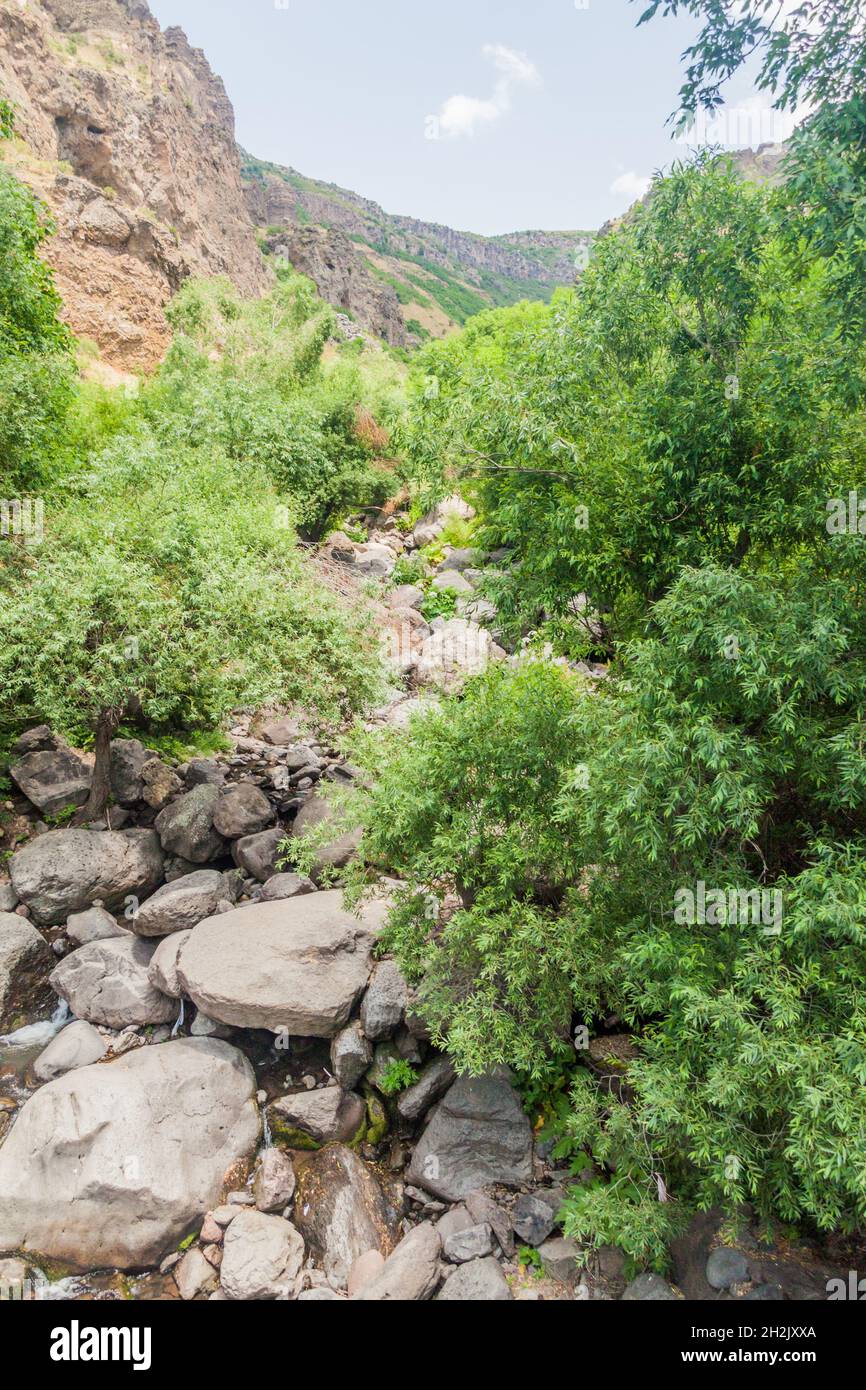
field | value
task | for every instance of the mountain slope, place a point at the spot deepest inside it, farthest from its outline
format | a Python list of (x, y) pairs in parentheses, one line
[(129, 137), (439, 276)]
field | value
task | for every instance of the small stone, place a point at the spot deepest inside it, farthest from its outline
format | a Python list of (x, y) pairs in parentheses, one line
[(274, 1183), (194, 1275), (649, 1288)]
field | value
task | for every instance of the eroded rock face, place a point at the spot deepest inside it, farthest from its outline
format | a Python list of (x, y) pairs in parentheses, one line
[(108, 982), (111, 1165), (297, 965), (341, 1209), (65, 871), (477, 1135), (25, 964), (135, 154)]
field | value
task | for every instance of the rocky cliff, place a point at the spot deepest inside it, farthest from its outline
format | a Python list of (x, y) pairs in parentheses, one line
[(129, 137), (440, 276)]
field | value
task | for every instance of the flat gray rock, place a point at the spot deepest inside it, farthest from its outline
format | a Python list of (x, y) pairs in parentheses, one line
[(107, 982), (296, 966), (181, 904), (111, 1165), (65, 871), (477, 1135)]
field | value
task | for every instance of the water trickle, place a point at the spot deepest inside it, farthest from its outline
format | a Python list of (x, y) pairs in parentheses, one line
[(178, 1021)]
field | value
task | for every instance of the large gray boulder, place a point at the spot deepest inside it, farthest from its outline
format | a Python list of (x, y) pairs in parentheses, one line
[(479, 1281), (335, 853), (310, 1119), (244, 810), (107, 982), (181, 904), (186, 827), (341, 1209), (25, 965), (50, 773), (262, 1257), (411, 1273), (258, 855), (296, 966), (385, 1001), (77, 1045), (65, 871), (112, 1165), (477, 1135)]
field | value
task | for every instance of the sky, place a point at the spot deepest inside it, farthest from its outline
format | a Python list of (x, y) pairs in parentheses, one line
[(485, 115)]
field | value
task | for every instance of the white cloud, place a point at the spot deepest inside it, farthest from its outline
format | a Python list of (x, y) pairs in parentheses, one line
[(631, 184), (462, 116)]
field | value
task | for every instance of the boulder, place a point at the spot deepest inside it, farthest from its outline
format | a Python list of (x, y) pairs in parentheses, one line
[(128, 757), (296, 966), (194, 1275), (283, 886), (53, 777), (364, 1270), (65, 871), (473, 1243), (310, 1119), (107, 982), (162, 971), (477, 1135), (726, 1267), (405, 596), (186, 827), (385, 1001), (258, 854), (341, 1209), (94, 924), (335, 854), (8, 898), (432, 1083), (274, 1183), (159, 784), (649, 1288), (533, 1219), (559, 1258), (112, 1165), (181, 904), (479, 1281), (452, 582), (456, 650), (351, 1055), (77, 1045), (25, 964), (204, 770), (411, 1273), (262, 1257), (244, 810)]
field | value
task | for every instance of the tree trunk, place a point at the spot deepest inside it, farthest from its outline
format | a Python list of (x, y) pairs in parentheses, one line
[(100, 787)]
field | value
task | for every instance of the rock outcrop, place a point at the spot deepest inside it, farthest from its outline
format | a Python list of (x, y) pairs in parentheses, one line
[(129, 137)]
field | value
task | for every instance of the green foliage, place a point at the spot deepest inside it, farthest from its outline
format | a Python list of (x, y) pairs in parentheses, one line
[(36, 369), (398, 1076)]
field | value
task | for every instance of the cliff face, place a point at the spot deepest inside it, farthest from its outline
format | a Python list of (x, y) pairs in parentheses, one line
[(439, 275), (328, 257), (129, 137)]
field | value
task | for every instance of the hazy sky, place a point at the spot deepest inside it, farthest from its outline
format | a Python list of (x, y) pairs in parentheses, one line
[(486, 115)]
